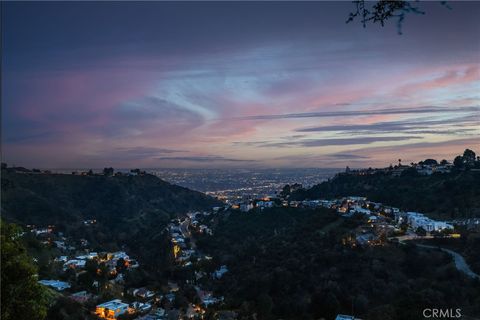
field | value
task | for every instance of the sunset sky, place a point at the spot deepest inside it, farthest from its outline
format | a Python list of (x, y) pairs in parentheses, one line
[(220, 84)]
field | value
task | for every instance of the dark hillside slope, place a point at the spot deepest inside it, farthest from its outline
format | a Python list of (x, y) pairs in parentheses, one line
[(62, 199), (444, 195), (131, 211), (292, 263)]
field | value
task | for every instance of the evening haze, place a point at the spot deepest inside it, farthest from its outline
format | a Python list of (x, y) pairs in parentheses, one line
[(219, 84)]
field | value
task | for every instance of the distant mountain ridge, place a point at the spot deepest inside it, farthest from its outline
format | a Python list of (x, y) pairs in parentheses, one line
[(444, 195), (43, 198)]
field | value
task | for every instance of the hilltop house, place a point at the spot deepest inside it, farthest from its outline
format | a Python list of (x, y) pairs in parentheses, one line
[(55, 284), (143, 293), (92, 255), (246, 207), (366, 239), (81, 296), (264, 204), (74, 263), (418, 220), (359, 209), (112, 309), (207, 297), (118, 255), (141, 307)]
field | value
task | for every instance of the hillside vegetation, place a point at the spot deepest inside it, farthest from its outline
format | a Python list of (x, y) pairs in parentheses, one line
[(289, 263), (443, 195), (451, 194), (131, 212), (22, 297), (65, 199)]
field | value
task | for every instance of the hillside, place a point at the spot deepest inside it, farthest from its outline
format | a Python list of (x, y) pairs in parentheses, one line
[(443, 195), (290, 263), (42, 199), (131, 212)]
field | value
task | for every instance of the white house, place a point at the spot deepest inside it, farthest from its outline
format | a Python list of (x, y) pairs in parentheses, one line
[(418, 220), (359, 209), (441, 225), (143, 293), (265, 204), (55, 284), (74, 263), (92, 255), (111, 309), (119, 255)]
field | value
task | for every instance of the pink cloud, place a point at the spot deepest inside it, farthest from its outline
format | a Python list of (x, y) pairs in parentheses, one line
[(449, 77), (89, 106)]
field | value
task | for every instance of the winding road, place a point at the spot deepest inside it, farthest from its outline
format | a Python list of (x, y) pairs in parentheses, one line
[(460, 262), (186, 232)]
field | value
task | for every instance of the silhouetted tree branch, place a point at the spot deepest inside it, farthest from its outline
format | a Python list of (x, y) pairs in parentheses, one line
[(383, 10)]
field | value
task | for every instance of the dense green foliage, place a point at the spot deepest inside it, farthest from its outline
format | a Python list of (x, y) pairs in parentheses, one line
[(468, 246), (444, 195), (131, 211), (22, 296), (64, 199), (291, 264), (287, 263)]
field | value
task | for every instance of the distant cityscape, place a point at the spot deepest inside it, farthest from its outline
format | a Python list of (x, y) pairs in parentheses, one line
[(235, 185), (242, 185), (240, 160), (84, 271), (232, 185)]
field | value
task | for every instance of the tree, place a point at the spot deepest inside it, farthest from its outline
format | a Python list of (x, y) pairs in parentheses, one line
[(180, 301), (421, 231), (265, 305), (85, 280), (108, 171), (120, 265), (384, 312), (66, 308), (383, 10), (458, 162), (285, 191), (22, 296), (469, 158), (443, 162), (102, 272), (430, 162), (360, 304), (331, 306), (91, 266), (410, 172)]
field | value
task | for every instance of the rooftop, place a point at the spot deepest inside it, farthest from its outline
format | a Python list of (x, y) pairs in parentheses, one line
[(114, 304)]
